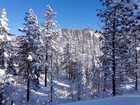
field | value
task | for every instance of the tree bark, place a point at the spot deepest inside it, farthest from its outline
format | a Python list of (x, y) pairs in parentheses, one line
[(1, 93), (136, 74), (51, 98), (136, 81), (28, 84), (113, 56), (46, 70)]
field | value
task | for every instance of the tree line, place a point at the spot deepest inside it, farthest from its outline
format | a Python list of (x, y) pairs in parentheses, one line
[(91, 66)]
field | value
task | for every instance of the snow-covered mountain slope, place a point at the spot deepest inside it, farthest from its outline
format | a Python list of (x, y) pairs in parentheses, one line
[(129, 99)]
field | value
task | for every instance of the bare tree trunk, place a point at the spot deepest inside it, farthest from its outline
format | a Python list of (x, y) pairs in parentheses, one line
[(46, 70), (136, 81), (136, 74), (1, 93), (28, 84), (105, 82), (51, 90), (28, 89), (51, 100), (12, 102), (113, 57), (78, 93), (38, 78)]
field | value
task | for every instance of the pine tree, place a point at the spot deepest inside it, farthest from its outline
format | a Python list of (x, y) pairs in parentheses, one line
[(49, 25), (134, 48), (4, 40), (115, 39), (5, 48), (50, 51), (29, 50), (78, 83), (66, 62)]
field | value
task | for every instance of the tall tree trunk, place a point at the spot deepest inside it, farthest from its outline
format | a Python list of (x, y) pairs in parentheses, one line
[(105, 82), (38, 78), (136, 81), (1, 93), (113, 57), (46, 70), (51, 100), (12, 102), (28, 89), (28, 84), (78, 93), (136, 74)]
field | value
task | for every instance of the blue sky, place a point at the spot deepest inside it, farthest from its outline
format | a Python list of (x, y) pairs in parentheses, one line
[(70, 13)]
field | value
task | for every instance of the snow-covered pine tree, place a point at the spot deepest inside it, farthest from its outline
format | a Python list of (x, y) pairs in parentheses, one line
[(93, 79), (29, 51), (114, 39), (128, 58), (4, 41), (5, 48), (66, 62), (108, 60), (49, 36), (135, 44), (78, 83), (67, 67), (48, 27), (127, 44)]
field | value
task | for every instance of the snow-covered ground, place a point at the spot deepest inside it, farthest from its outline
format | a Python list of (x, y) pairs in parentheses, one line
[(129, 99)]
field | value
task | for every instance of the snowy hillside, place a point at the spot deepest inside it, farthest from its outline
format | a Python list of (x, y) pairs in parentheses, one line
[(47, 65), (130, 99)]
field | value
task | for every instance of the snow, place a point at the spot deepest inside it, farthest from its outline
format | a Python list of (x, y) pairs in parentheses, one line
[(39, 93), (1, 37), (61, 84), (129, 99), (6, 55), (97, 35), (2, 72), (30, 58), (9, 38)]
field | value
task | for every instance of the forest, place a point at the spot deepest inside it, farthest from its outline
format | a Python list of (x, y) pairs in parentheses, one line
[(46, 65)]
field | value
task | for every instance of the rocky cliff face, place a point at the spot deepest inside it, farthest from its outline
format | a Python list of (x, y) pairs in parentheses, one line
[(86, 39), (84, 43)]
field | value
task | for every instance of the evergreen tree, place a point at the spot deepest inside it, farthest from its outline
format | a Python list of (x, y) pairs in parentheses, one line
[(50, 51), (134, 48), (29, 50), (115, 38), (48, 36), (4, 41), (78, 83), (5, 48), (66, 62)]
